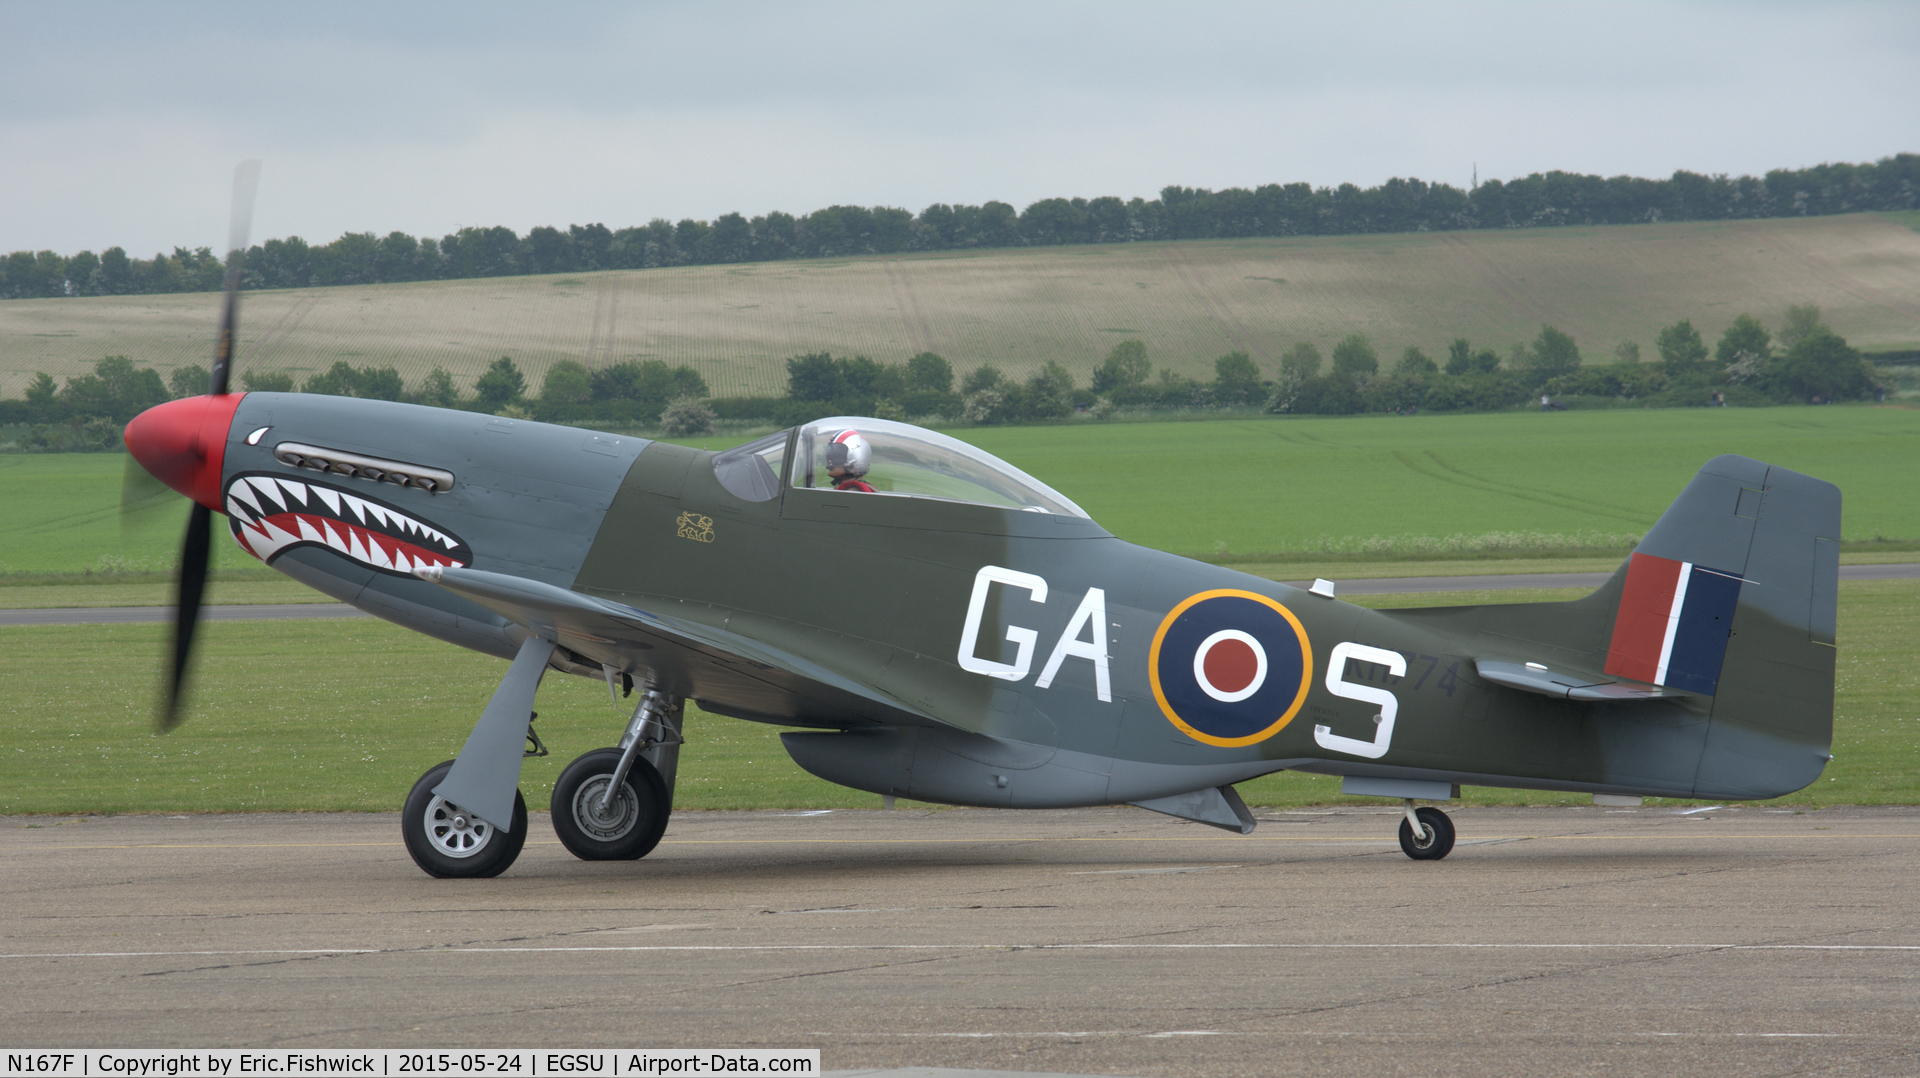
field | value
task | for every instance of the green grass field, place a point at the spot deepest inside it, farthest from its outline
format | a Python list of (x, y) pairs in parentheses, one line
[(1242, 489), (1017, 309), (1271, 485), (331, 716), (62, 515)]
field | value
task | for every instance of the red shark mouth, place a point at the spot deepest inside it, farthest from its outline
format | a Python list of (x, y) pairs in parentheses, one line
[(270, 514)]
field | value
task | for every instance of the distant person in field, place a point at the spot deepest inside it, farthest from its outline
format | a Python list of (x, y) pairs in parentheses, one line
[(848, 458)]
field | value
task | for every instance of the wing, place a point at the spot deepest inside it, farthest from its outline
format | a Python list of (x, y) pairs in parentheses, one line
[(724, 672)]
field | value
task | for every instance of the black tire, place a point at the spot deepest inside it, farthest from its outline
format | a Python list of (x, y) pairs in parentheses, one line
[(451, 844), (634, 824), (1438, 841)]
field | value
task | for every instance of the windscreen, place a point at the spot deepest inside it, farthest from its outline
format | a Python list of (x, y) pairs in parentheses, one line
[(751, 472)]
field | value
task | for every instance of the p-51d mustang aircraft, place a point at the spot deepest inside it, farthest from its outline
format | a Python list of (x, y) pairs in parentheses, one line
[(941, 626), (965, 634)]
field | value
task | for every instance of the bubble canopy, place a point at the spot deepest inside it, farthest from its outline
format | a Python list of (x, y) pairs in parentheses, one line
[(908, 462)]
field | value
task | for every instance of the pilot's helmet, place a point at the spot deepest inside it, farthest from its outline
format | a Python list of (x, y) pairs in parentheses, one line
[(850, 451)]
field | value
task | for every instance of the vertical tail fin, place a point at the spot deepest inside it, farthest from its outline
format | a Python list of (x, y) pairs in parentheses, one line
[(1734, 594)]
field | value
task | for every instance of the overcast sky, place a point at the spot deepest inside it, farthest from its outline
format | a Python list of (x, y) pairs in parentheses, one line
[(120, 124)]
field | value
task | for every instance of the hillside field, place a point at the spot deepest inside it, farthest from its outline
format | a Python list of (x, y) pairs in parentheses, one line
[(1235, 489), (1189, 301)]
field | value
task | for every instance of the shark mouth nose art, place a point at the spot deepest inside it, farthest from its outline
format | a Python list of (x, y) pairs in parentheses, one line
[(271, 514)]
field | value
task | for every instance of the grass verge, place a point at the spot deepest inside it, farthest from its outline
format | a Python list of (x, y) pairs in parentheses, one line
[(344, 716), (158, 592)]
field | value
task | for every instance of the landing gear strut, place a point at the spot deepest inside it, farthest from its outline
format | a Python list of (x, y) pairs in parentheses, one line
[(598, 828), (1426, 834), (466, 817), (613, 804)]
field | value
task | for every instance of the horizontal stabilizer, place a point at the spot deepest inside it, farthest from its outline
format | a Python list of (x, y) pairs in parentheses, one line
[(1568, 684)]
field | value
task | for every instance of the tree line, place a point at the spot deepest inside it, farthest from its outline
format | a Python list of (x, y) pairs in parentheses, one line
[(1804, 362), (89, 412), (1296, 209)]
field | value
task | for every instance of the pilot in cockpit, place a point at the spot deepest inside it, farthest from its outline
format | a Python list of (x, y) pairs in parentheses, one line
[(848, 458)]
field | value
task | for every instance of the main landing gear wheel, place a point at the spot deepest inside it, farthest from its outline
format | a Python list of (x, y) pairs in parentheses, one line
[(1436, 843), (628, 828), (450, 842)]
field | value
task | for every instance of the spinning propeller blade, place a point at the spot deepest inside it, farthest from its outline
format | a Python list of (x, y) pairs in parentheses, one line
[(140, 491), (190, 586), (246, 179), (196, 550)]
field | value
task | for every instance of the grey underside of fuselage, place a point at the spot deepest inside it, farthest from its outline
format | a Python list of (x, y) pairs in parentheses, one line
[(959, 768)]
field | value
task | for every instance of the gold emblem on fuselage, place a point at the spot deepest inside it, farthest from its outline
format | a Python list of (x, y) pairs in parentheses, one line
[(695, 527)]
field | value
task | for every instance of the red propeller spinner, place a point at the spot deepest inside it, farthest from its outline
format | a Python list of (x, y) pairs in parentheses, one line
[(183, 443)]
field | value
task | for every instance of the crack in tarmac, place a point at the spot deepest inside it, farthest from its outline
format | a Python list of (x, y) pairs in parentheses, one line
[(802, 975)]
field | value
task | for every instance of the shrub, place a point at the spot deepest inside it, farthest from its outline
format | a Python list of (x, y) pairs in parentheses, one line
[(500, 386), (1355, 355), (1126, 365), (1822, 365), (686, 417), (568, 382), (1049, 394), (264, 382), (985, 376), (985, 407), (1330, 394), (436, 389), (1286, 389), (1236, 379), (1414, 361), (1553, 354), (928, 372), (190, 381), (1303, 359), (925, 402)]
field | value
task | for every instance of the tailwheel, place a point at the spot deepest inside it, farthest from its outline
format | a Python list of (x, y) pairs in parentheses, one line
[(451, 842), (623, 827), (1433, 841)]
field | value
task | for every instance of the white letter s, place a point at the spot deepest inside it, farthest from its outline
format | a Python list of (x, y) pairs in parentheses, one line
[(1389, 705)]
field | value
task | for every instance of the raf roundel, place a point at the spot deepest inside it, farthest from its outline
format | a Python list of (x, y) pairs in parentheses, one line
[(1230, 668)]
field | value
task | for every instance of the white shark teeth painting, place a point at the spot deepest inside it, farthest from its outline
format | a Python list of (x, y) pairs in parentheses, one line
[(270, 514)]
